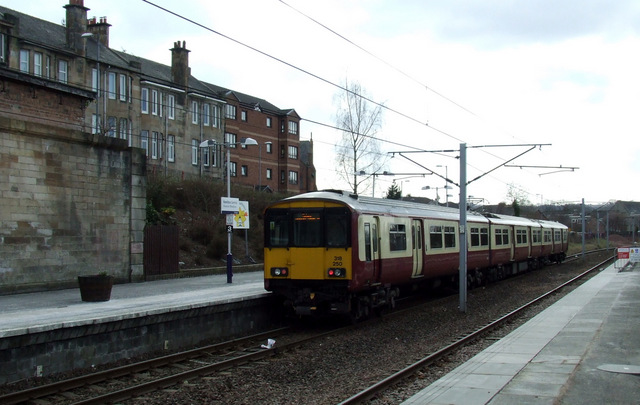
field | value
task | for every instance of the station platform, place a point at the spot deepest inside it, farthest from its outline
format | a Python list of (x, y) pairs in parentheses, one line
[(584, 349), (44, 311), (44, 333)]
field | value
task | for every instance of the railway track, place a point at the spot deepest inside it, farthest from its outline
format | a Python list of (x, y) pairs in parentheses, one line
[(379, 387), (111, 385), (140, 378)]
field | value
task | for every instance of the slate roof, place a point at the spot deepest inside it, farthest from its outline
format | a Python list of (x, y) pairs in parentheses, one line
[(53, 36)]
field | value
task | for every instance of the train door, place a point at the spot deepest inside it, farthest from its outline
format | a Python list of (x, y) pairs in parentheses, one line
[(512, 240), (372, 249), (417, 248)]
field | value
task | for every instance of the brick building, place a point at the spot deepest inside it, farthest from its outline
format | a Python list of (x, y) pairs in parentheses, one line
[(160, 108)]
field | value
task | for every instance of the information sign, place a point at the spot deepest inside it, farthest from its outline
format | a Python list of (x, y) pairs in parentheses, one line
[(241, 218), (634, 255), (229, 205)]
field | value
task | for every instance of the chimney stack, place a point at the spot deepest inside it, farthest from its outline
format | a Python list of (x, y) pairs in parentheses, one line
[(180, 70), (76, 24), (100, 29)]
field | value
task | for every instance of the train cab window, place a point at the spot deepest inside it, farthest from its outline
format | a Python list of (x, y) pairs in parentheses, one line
[(277, 229), (397, 237), (337, 227), (435, 237), (307, 228)]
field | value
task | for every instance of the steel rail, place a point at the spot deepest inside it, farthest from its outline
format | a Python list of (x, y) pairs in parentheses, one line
[(380, 386), (93, 378)]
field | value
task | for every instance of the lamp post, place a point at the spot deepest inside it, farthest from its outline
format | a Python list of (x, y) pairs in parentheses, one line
[(245, 142), (260, 165), (87, 35)]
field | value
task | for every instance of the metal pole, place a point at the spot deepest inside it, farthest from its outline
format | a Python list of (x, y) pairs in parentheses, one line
[(98, 86), (229, 255), (584, 230), (260, 167), (463, 229)]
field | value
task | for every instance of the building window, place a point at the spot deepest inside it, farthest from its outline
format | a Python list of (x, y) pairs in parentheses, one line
[(293, 152), (293, 127), (230, 139), (24, 60), (94, 80), (171, 106), (269, 123), (124, 125), (269, 147), (230, 112), (112, 85), (215, 116), (194, 152), (123, 87), (3, 48), (161, 104), (269, 174), (37, 64), (171, 148), (112, 123), (47, 67), (293, 177), (144, 101), (205, 156), (154, 102), (243, 115), (144, 142), (63, 69), (233, 169), (282, 176), (95, 124), (194, 112), (154, 145), (206, 115), (244, 170)]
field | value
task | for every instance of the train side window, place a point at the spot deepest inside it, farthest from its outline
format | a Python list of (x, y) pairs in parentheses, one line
[(397, 237), (484, 236), (449, 237), (475, 237), (367, 242), (435, 236), (374, 232)]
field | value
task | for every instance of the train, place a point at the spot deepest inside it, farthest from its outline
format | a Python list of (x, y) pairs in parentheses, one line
[(334, 252)]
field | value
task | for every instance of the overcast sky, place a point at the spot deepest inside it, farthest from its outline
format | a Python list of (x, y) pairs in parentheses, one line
[(484, 73)]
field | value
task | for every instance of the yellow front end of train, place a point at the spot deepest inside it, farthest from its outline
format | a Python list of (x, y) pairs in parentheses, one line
[(307, 253)]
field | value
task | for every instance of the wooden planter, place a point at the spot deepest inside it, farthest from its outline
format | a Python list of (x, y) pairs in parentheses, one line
[(95, 288)]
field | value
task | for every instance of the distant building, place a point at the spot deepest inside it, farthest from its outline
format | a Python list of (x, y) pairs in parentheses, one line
[(162, 109)]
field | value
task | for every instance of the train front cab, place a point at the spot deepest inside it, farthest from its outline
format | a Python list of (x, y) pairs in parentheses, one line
[(308, 254)]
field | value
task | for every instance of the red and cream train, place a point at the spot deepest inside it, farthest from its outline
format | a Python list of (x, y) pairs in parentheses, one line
[(334, 252)]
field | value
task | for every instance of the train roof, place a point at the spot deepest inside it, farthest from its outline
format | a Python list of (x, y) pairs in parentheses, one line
[(370, 205)]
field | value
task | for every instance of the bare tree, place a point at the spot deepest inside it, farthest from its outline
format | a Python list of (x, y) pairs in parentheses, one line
[(358, 151)]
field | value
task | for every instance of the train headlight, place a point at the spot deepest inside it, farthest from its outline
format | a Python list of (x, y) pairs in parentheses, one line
[(279, 271), (337, 272)]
